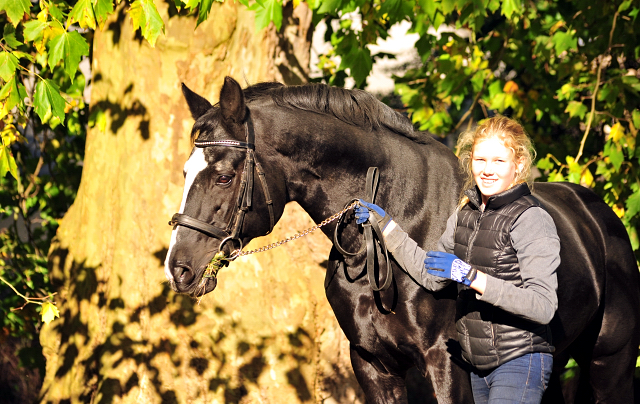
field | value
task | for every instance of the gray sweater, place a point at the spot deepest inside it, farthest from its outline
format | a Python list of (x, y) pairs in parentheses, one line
[(536, 241)]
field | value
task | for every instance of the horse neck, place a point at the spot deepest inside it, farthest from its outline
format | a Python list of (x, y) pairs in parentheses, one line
[(326, 164)]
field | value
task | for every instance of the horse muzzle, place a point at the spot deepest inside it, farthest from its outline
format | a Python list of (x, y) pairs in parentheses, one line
[(183, 279)]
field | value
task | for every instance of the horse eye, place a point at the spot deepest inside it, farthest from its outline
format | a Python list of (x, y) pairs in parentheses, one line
[(224, 179)]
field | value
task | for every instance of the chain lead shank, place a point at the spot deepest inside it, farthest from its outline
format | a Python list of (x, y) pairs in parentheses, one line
[(239, 253)]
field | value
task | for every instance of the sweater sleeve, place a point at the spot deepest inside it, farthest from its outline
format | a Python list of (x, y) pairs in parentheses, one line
[(408, 254), (537, 246)]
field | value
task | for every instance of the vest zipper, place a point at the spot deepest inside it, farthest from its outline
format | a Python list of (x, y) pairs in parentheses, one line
[(472, 239)]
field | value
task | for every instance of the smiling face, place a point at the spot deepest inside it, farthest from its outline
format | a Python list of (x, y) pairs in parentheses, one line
[(493, 167)]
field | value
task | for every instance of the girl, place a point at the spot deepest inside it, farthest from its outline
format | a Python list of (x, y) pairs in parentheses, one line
[(502, 247)]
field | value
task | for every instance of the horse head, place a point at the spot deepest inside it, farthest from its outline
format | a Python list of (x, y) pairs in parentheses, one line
[(222, 207)]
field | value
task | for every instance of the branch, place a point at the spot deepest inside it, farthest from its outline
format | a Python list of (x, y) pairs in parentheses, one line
[(473, 105), (484, 85), (28, 300), (592, 113), (595, 91), (17, 293)]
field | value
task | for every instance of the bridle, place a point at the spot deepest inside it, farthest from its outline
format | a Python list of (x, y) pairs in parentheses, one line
[(245, 191)]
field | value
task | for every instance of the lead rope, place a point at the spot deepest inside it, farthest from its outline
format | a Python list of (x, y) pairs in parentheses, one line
[(219, 259), (369, 229)]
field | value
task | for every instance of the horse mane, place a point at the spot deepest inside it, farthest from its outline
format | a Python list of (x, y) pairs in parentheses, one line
[(355, 107)]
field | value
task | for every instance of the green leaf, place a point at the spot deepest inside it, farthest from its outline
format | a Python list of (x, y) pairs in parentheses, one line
[(625, 5), (493, 5), (102, 9), (68, 47), (616, 156), (144, 15), (7, 162), (48, 101), (633, 205), (204, 10), (15, 9), (49, 312), (83, 14), (329, 6), (8, 65), (636, 118), (55, 12), (271, 10), (448, 6), (563, 41), (429, 7), (545, 164), (33, 29), (498, 102), (12, 95), (358, 60), (576, 108), (509, 7), (9, 36), (635, 244)]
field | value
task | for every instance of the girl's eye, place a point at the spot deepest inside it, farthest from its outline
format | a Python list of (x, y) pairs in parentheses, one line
[(224, 179)]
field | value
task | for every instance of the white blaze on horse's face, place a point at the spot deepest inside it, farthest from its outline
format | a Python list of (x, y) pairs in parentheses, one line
[(192, 168)]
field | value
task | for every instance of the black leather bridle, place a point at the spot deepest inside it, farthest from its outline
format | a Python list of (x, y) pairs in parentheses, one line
[(245, 191)]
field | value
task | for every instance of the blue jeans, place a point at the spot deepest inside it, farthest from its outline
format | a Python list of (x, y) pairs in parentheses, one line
[(521, 380)]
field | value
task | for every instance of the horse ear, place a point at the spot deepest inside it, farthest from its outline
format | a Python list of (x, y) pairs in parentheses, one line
[(197, 105), (232, 104)]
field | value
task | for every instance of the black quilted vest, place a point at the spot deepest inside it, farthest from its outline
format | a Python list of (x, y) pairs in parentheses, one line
[(490, 336)]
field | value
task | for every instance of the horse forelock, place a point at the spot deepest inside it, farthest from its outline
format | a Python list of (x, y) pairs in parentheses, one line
[(206, 124)]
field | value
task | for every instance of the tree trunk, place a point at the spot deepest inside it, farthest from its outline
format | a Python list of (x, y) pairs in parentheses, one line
[(267, 333)]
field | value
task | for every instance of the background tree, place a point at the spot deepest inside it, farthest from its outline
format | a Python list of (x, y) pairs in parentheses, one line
[(567, 70), (122, 335)]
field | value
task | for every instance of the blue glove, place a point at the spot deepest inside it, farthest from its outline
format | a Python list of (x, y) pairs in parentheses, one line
[(449, 266), (365, 209)]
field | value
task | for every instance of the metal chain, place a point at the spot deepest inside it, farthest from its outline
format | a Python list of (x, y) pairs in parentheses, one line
[(238, 253)]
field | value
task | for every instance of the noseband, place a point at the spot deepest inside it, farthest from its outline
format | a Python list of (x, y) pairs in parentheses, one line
[(232, 231)]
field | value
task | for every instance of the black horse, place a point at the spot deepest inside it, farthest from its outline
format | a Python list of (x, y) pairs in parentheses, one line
[(313, 144)]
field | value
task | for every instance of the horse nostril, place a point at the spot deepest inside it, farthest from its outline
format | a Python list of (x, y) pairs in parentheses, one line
[(184, 275)]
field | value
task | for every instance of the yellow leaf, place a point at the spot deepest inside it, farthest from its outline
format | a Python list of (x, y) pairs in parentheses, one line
[(555, 26), (617, 131), (587, 179), (510, 87), (49, 312), (619, 210)]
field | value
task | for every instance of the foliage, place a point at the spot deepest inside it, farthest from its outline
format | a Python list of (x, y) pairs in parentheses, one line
[(43, 119)]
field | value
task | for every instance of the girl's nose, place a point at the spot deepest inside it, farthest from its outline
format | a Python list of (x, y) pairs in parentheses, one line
[(488, 169)]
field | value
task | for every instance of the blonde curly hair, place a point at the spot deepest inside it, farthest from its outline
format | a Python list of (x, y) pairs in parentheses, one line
[(511, 133)]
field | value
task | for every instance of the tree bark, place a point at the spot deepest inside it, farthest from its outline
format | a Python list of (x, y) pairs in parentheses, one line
[(267, 333)]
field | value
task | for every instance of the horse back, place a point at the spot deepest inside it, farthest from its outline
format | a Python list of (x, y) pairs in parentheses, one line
[(598, 277)]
